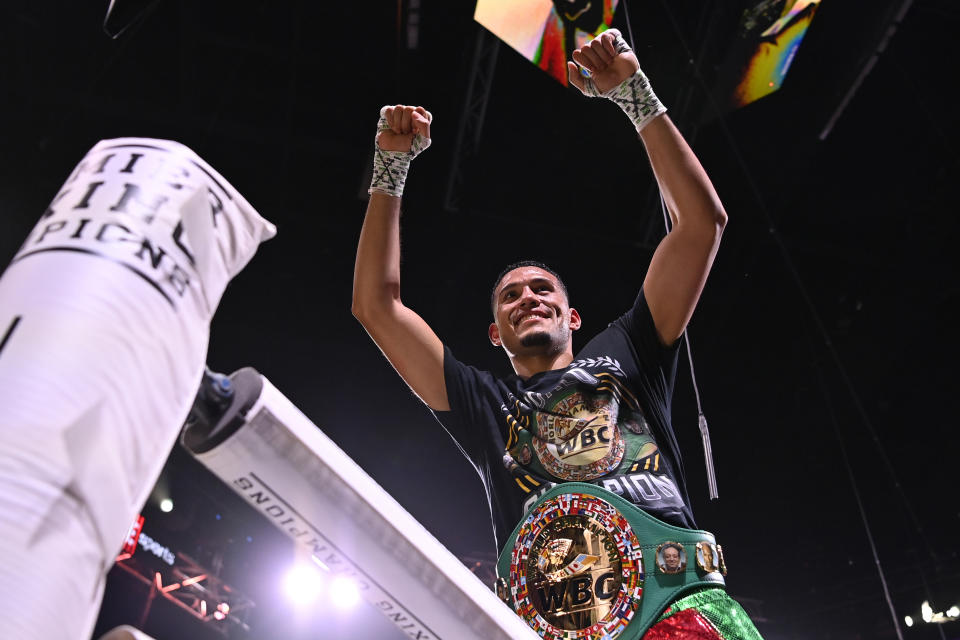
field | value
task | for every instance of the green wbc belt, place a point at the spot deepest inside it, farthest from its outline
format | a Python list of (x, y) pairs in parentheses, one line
[(585, 563)]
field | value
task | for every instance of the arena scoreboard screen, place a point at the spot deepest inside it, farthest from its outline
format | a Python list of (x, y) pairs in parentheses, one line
[(546, 31)]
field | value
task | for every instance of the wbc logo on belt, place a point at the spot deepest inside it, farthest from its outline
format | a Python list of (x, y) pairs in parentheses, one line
[(576, 569)]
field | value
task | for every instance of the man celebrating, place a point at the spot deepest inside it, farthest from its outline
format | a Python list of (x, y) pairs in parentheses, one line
[(576, 452)]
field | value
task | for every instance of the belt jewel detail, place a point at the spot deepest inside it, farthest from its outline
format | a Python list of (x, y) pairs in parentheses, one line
[(671, 558), (708, 558), (576, 570)]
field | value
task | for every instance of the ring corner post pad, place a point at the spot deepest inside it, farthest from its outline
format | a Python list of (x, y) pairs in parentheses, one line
[(288, 470)]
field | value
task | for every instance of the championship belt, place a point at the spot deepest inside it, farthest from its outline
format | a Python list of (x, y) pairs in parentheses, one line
[(585, 563)]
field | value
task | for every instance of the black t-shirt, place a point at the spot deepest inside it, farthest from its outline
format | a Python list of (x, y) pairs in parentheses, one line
[(603, 419)]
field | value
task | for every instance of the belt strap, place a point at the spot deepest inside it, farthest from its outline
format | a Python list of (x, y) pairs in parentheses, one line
[(659, 588)]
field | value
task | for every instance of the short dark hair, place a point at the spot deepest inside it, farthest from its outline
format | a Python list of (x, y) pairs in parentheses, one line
[(517, 265)]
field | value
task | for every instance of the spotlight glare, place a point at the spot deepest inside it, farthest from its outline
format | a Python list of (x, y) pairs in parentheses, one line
[(344, 592), (908, 620), (166, 505), (303, 584), (953, 612), (926, 611)]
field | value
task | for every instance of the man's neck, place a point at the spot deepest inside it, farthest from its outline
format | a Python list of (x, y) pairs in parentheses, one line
[(530, 365)]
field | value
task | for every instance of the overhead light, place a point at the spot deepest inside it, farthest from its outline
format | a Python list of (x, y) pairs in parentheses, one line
[(953, 612), (926, 611), (344, 592), (303, 584), (166, 505), (908, 620)]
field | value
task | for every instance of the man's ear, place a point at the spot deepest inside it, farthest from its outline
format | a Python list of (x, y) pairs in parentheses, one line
[(574, 320), (494, 334)]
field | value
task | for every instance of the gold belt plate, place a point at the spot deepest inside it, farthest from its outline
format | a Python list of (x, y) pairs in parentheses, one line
[(576, 569)]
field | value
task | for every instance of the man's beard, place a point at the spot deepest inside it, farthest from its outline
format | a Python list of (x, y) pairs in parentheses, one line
[(538, 339), (551, 342)]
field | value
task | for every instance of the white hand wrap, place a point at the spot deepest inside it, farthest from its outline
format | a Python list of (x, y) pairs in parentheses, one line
[(634, 95), (390, 167)]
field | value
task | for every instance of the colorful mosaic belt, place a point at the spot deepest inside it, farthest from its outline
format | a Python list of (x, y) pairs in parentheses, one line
[(585, 563)]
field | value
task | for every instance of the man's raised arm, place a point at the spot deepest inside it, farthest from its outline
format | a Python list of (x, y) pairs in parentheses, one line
[(406, 340), (680, 265)]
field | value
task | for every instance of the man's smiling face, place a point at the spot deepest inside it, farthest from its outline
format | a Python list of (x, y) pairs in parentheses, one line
[(671, 558), (531, 313)]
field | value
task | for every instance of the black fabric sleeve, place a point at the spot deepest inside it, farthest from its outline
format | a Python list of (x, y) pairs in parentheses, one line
[(657, 365), (639, 325), (466, 387)]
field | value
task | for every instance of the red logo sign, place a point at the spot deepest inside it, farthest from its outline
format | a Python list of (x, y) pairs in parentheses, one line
[(130, 542)]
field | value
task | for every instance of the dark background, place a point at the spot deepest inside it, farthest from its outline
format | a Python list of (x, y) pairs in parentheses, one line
[(824, 344)]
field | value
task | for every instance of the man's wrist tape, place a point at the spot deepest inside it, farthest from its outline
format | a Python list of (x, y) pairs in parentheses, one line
[(389, 171), (634, 95), (390, 167), (637, 99)]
